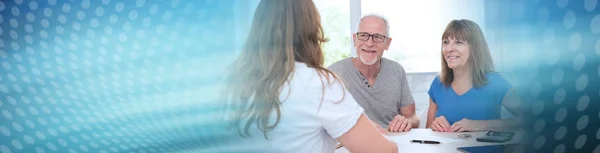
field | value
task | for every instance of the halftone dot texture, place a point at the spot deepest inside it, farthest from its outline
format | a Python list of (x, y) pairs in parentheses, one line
[(111, 75), (551, 54)]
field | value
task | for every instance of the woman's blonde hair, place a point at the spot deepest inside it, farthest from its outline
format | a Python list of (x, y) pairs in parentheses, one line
[(282, 32), (480, 60)]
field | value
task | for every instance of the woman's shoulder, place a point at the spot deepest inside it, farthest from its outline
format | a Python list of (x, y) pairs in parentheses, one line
[(313, 77), (496, 79), (393, 66), (436, 82), (437, 79)]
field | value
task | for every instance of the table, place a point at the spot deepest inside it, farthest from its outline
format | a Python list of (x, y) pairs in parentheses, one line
[(450, 147)]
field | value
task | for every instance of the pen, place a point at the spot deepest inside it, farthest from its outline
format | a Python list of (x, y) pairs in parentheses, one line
[(425, 141)]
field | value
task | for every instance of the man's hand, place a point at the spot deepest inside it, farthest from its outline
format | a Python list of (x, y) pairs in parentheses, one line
[(440, 124), (399, 124), (467, 125)]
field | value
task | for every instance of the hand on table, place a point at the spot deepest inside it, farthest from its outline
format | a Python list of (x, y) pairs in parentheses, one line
[(467, 125), (399, 124), (440, 124)]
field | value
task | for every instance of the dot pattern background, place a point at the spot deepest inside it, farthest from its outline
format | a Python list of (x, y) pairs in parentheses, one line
[(550, 52), (111, 76), (139, 75)]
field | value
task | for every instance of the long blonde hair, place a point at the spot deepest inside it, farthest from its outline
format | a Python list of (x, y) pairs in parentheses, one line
[(479, 60), (282, 32)]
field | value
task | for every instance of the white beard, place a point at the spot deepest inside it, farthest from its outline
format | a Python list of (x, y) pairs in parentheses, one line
[(367, 62)]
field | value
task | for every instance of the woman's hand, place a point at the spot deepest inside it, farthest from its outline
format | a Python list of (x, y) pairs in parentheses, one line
[(440, 124), (468, 125)]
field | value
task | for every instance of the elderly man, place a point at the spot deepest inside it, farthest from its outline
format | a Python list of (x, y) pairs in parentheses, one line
[(378, 84)]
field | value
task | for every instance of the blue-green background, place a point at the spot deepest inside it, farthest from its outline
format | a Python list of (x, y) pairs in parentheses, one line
[(143, 75)]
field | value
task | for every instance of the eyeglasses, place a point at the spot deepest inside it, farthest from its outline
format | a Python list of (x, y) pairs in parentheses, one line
[(425, 142), (365, 37)]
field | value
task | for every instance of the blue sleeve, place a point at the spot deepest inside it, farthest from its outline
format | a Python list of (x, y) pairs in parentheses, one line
[(433, 87), (501, 85)]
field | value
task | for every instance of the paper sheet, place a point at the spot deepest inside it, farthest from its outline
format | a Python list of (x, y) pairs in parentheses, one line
[(406, 139)]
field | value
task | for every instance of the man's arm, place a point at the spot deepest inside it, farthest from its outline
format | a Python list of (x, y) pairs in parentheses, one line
[(409, 113), (406, 106), (404, 121)]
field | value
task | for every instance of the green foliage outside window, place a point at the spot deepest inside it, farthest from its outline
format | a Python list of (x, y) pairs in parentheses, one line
[(335, 19)]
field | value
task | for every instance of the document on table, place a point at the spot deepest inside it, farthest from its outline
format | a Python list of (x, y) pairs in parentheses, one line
[(406, 139)]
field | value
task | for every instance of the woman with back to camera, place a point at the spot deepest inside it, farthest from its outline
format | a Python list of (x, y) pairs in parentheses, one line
[(282, 99)]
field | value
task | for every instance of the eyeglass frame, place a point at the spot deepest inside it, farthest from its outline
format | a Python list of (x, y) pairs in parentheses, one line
[(371, 36)]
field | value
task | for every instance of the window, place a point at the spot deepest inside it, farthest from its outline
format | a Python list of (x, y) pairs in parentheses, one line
[(335, 18), (417, 26)]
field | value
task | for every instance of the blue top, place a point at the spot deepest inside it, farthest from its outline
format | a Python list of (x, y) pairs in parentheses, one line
[(483, 103)]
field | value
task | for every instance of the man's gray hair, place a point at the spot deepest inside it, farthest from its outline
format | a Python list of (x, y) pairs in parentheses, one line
[(385, 21)]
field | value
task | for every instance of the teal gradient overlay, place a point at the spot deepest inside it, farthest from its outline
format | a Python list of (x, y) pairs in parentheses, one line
[(550, 51), (114, 76), (145, 75)]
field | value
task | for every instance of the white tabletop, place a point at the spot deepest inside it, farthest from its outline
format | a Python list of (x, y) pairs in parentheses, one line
[(450, 141)]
